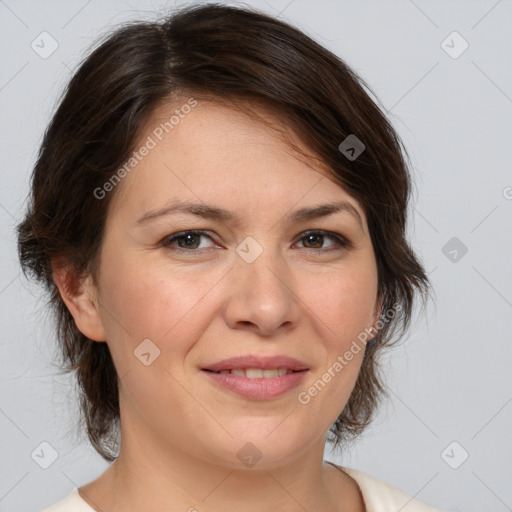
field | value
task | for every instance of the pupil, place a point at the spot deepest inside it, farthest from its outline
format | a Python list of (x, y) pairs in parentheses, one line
[(313, 237), (189, 239)]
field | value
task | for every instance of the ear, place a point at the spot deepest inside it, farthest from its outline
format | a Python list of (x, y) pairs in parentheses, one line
[(79, 295)]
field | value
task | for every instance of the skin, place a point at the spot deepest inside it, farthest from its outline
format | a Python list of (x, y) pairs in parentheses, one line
[(180, 432)]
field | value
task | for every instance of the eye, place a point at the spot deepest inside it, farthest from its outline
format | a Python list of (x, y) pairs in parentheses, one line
[(317, 238), (190, 241), (187, 241)]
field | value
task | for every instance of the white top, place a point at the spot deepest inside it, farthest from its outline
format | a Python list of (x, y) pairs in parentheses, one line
[(378, 496)]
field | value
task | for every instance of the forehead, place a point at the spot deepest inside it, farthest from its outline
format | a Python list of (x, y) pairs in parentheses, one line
[(222, 123), (214, 153)]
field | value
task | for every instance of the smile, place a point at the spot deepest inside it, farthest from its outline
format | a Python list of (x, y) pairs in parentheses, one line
[(255, 383)]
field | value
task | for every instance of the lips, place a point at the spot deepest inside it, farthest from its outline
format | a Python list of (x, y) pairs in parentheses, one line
[(257, 373), (257, 378), (256, 388), (253, 362)]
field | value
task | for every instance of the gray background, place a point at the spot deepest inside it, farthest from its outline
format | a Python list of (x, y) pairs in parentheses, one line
[(450, 381)]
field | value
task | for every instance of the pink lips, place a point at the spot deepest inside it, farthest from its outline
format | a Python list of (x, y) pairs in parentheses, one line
[(252, 361), (258, 388)]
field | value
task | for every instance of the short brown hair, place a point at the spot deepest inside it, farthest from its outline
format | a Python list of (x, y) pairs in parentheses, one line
[(227, 53)]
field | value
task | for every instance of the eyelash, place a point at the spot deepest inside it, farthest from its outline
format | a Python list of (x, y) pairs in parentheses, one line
[(340, 241)]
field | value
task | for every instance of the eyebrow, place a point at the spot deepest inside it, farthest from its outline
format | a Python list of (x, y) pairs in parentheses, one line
[(206, 211)]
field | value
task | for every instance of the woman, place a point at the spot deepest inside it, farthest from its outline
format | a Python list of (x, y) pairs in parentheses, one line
[(218, 212)]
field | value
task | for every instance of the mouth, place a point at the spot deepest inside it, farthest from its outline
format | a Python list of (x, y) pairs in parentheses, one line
[(255, 383), (255, 366), (257, 377), (256, 373)]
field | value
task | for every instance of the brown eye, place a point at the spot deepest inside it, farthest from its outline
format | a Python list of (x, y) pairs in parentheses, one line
[(314, 241), (188, 241)]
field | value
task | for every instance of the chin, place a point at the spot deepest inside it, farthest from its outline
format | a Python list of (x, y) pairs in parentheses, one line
[(256, 449)]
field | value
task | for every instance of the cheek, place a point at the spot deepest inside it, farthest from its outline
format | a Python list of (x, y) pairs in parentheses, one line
[(344, 301), (142, 301), (343, 307)]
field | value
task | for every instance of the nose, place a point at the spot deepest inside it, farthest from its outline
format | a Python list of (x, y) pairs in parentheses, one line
[(262, 296)]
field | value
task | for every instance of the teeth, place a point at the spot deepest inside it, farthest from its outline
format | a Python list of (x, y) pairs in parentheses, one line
[(257, 373)]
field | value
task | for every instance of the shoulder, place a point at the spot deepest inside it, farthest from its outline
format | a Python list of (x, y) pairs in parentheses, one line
[(73, 502), (380, 496)]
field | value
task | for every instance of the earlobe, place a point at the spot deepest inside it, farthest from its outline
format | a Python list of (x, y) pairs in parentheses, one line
[(79, 295)]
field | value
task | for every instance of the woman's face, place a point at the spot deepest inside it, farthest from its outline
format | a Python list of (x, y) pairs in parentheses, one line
[(254, 284)]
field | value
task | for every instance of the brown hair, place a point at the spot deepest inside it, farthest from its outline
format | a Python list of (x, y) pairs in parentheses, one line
[(227, 53)]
